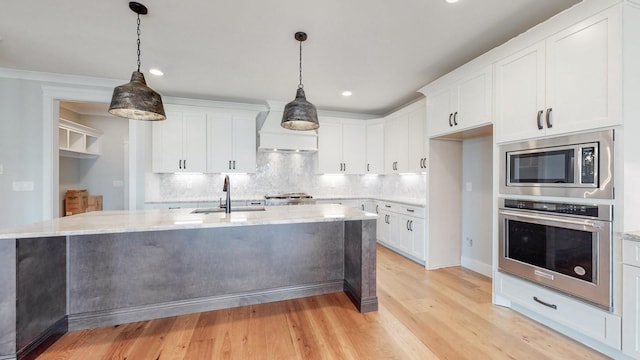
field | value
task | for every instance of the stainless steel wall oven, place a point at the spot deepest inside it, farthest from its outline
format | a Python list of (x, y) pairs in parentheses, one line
[(579, 166), (563, 246)]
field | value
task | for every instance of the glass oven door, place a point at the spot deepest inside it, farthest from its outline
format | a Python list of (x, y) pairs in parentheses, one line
[(568, 254)]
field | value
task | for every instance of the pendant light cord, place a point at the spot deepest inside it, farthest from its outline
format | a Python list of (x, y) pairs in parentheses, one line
[(300, 84), (139, 44)]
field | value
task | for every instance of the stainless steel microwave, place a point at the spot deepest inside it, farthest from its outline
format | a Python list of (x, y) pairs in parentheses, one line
[(579, 166)]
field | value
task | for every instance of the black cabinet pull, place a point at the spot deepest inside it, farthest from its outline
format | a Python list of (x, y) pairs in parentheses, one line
[(377, 209), (229, 164), (345, 166), (184, 164), (549, 124), (450, 124), (411, 210), (234, 164), (408, 225), (455, 118), (362, 206), (179, 164), (539, 119), (368, 167), (411, 225), (553, 306), (387, 206)]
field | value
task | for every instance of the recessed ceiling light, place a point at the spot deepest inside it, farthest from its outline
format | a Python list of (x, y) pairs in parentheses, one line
[(347, 93), (156, 72), (451, 1)]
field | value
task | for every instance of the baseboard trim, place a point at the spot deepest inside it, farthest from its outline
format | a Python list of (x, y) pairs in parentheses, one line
[(46, 339), (477, 266), (363, 305), (156, 311)]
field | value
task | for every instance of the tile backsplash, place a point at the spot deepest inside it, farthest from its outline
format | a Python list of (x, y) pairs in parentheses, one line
[(283, 172)]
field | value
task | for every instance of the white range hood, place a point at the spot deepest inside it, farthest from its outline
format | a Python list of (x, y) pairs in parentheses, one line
[(272, 136)]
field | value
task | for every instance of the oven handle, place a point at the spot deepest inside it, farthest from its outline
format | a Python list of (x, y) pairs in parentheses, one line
[(590, 223)]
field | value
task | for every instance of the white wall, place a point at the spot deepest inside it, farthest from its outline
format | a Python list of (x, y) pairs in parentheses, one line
[(20, 151), (106, 175), (477, 200)]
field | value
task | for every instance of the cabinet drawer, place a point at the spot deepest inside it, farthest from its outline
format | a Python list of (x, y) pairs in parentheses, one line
[(631, 252), (588, 320), (413, 211)]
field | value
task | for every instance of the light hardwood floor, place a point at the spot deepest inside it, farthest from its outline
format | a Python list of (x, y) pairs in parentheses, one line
[(442, 314)]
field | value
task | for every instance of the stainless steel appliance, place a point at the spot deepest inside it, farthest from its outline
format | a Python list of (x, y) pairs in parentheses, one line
[(563, 246), (578, 166), (289, 199)]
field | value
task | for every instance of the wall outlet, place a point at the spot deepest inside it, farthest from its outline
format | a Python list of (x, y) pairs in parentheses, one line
[(469, 186), (23, 186), (469, 242), (1, 169), (118, 183)]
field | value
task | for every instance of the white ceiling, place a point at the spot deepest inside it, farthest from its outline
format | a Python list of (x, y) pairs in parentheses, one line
[(244, 50)]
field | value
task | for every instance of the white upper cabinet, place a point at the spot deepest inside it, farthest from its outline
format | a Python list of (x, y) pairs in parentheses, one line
[(417, 158), (463, 105), (568, 82), (404, 140), (342, 146), (231, 142), (396, 145), (375, 147), (179, 142)]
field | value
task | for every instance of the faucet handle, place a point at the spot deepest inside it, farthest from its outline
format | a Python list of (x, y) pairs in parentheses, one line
[(220, 203)]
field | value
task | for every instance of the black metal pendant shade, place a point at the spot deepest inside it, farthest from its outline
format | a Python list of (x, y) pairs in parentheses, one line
[(135, 100), (300, 114)]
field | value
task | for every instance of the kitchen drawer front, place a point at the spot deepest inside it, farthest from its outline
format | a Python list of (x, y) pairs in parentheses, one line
[(406, 210), (413, 211), (631, 252), (588, 320)]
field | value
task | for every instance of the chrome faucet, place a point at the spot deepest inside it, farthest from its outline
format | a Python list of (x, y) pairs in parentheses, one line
[(227, 188)]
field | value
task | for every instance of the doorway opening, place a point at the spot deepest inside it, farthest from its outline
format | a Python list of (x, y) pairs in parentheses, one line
[(93, 156)]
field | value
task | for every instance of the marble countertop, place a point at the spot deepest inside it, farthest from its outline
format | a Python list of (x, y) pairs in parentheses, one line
[(102, 222), (632, 235), (401, 200)]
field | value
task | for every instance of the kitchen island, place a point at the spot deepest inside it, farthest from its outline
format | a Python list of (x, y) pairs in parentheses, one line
[(106, 268)]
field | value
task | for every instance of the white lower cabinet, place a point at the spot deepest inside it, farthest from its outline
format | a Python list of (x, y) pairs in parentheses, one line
[(577, 319), (631, 298), (402, 229)]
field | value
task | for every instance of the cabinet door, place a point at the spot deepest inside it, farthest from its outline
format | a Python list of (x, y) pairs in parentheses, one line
[(417, 238), (194, 146), (330, 148), (354, 141), (474, 100), (166, 142), (220, 144), (583, 81), (416, 133), (375, 148), (440, 112), (405, 237), (244, 144), (396, 145), (381, 224), (520, 94), (631, 311)]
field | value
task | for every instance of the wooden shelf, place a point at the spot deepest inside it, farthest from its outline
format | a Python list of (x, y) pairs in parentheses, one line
[(78, 141)]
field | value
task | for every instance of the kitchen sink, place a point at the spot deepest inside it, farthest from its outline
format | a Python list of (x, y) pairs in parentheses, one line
[(233, 209)]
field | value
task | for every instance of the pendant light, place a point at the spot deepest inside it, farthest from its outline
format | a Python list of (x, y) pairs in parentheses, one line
[(136, 100), (300, 114)]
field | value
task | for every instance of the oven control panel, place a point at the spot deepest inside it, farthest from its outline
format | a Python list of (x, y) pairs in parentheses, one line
[(551, 207)]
